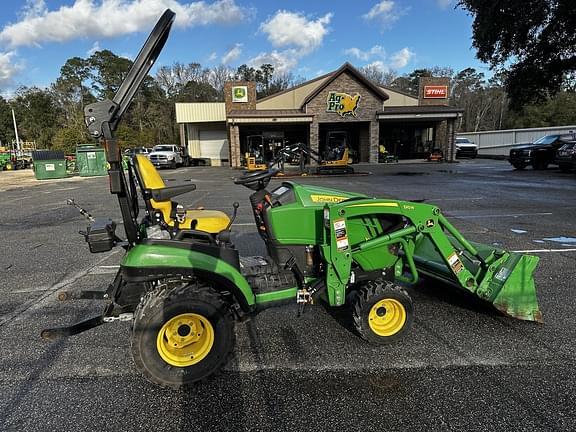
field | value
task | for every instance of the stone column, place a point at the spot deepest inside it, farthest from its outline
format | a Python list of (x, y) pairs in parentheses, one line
[(451, 153), (374, 141), (440, 137), (314, 139), (234, 139)]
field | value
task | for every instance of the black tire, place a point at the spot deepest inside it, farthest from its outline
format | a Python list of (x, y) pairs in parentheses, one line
[(374, 293), (173, 164), (155, 311), (565, 167), (519, 165)]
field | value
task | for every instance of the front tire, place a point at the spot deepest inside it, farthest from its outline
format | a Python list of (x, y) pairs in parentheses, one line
[(519, 165), (182, 335), (383, 312)]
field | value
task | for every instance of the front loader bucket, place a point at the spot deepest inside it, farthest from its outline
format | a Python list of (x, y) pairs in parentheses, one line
[(508, 283), (516, 296)]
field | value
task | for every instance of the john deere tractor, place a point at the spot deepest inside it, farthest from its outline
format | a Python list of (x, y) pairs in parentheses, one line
[(183, 285)]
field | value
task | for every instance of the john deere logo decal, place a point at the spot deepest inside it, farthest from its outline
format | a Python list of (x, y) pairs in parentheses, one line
[(240, 94), (342, 103)]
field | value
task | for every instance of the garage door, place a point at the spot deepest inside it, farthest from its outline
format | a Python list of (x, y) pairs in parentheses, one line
[(214, 144)]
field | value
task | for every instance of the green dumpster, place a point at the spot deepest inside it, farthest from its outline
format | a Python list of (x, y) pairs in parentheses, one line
[(91, 160), (49, 164)]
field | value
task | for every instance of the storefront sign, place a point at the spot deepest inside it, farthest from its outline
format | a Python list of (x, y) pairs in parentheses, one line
[(435, 92), (342, 103), (240, 94)]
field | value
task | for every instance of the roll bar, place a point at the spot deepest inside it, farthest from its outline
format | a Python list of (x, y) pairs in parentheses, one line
[(102, 118)]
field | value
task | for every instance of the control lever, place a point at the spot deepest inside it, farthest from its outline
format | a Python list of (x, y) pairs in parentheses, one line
[(233, 218), (80, 209)]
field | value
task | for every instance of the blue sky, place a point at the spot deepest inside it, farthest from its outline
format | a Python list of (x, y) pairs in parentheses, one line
[(307, 38)]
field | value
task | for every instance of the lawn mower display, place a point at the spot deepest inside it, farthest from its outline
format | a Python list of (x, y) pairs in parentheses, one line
[(183, 287)]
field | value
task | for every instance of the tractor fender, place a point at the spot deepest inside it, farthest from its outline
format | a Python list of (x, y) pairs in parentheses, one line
[(147, 262)]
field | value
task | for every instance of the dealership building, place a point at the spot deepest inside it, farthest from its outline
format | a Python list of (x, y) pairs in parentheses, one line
[(371, 115)]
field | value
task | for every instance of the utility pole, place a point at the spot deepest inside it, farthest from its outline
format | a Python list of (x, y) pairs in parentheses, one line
[(16, 131)]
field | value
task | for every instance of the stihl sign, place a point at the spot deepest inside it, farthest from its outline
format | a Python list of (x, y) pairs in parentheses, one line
[(435, 92)]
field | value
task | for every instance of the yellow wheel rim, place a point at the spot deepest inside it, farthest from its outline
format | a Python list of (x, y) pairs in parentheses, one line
[(185, 340), (387, 317)]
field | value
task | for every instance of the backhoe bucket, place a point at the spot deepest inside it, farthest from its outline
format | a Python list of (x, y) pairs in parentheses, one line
[(508, 284)]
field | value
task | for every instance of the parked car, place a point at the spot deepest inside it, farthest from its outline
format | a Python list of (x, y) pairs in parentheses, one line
[(465, 148), (566, 156), (168, 155), (138, 150), (540, 153)]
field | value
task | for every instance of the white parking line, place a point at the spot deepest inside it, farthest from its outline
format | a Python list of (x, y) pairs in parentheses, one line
[(545, 250), (500, 215), (454, 199)]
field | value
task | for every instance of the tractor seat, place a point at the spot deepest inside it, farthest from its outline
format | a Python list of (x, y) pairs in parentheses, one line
[(158, 199)]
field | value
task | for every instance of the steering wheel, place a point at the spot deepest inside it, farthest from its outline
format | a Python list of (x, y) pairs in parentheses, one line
[(257, 180)]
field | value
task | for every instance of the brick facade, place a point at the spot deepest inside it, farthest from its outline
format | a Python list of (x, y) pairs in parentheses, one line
[(368, 106), (433, 81), (239, 106)]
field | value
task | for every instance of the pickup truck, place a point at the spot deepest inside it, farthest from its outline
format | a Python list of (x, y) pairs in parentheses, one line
[(540, 153), (168, 155)]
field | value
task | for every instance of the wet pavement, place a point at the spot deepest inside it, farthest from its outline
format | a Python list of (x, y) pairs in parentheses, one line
[(462, 366)]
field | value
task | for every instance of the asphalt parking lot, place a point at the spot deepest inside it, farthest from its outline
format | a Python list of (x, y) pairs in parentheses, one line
[(462, 366)]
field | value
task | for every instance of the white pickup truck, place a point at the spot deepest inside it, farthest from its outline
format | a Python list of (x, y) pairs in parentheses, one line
[(168, 155)]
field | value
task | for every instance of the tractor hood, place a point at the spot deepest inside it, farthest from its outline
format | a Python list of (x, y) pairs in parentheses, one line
[(316, 196)]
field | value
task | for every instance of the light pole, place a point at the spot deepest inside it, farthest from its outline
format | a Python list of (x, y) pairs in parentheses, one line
[(16, 131)]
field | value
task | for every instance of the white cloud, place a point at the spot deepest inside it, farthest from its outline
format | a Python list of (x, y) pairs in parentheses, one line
[(401, 58), (296, 33), (386, 12), (233, 54), (95, 47), (378, 65), (109, 18), (444, 4), (283, 61), (295, 30), (8, 69), (375, 51), (213, 56)]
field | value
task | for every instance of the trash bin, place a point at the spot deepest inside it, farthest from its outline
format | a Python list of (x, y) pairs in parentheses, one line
[(49, 164), (91, 160)]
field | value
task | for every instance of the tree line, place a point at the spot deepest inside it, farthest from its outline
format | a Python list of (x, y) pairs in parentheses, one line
[(486, 101), (53, 116)]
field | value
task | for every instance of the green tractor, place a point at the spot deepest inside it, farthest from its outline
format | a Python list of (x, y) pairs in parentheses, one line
[(183, 284)]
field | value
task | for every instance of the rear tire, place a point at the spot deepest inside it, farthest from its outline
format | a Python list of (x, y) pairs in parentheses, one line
[(182, 335), (383, 312), (565, 167)]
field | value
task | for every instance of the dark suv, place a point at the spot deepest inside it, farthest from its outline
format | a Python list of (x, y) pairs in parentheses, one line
[(566, 156), (540, 153)]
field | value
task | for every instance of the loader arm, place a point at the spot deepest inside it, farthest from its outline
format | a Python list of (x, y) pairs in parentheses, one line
[(428, 243)]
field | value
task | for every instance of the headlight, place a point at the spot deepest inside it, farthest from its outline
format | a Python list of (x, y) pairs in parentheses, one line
[(170, 157), (457, 147)]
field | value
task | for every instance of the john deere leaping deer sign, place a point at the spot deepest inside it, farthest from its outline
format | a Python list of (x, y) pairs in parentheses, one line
[(342, 103)]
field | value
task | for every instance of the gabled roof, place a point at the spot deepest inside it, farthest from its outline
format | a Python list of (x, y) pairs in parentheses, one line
[(321, 77), (347, 67)]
